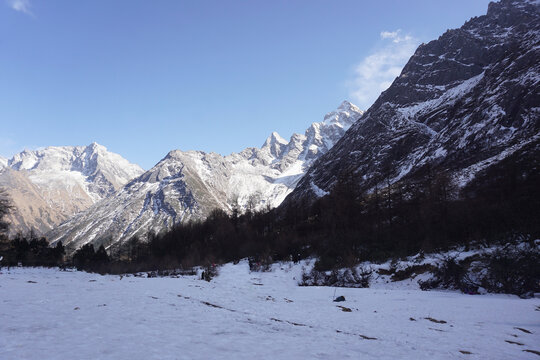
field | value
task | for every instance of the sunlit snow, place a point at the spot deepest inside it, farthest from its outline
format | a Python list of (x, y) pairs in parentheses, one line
[(52, 314)]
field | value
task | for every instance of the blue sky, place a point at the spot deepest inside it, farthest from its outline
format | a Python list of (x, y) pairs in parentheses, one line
[(145, 77)]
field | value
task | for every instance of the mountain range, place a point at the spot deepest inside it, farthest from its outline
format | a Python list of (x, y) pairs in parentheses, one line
[(462, 105), (188, 185)]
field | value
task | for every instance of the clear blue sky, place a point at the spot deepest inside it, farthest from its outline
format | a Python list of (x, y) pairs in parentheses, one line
[(145, 77)]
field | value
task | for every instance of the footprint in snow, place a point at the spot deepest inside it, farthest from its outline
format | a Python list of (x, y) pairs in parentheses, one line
[(514, 342), (439, 330), (524, 330), (435, 320)]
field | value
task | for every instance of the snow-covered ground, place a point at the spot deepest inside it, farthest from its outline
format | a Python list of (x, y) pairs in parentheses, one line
[(53, 314)]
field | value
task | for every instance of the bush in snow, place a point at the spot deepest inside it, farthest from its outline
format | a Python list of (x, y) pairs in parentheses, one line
[(260, 263), (511, 270), (449, 274), (350, 277), (409, 272)]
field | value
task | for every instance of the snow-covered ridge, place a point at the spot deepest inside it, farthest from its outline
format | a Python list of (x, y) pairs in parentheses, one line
[(190, 184)]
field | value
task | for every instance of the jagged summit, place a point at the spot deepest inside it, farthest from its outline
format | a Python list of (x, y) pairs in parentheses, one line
[(95, 145), (275, 144), (341, 114), (275, 137), (347, 106)]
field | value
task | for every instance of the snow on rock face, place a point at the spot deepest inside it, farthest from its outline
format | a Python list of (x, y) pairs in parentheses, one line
[(462, 99), (66, 179), (190, 184), (275, 144)]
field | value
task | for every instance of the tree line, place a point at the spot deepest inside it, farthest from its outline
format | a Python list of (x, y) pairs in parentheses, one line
[(428, 213), (348, 226)]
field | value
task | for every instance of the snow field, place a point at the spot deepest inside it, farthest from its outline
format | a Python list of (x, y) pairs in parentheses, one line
[(53, 314)]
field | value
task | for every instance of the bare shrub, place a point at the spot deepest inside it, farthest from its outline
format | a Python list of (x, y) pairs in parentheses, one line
[(350, 277)]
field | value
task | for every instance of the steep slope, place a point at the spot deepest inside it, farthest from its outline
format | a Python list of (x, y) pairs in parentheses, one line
[(462, 103), (49, 185), (190, 184), (31, 210)]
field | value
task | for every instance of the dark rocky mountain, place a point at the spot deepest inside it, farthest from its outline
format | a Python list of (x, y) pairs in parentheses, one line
[(462, 104)]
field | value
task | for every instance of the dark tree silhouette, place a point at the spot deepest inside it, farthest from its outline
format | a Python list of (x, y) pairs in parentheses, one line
[(5, 209)]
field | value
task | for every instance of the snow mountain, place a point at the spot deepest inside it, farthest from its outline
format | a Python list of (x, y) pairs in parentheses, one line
[(48, 186), (461, 105), (188, 185)]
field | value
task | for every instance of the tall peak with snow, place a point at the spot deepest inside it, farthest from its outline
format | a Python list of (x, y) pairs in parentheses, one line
[(275, 144), (343, 116), (348, 106)]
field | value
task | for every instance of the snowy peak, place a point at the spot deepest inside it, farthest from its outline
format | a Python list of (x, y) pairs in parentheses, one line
[(347, 108), (274, 144), (3, 162), (275, 138), (320, 137), (345, 115)]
